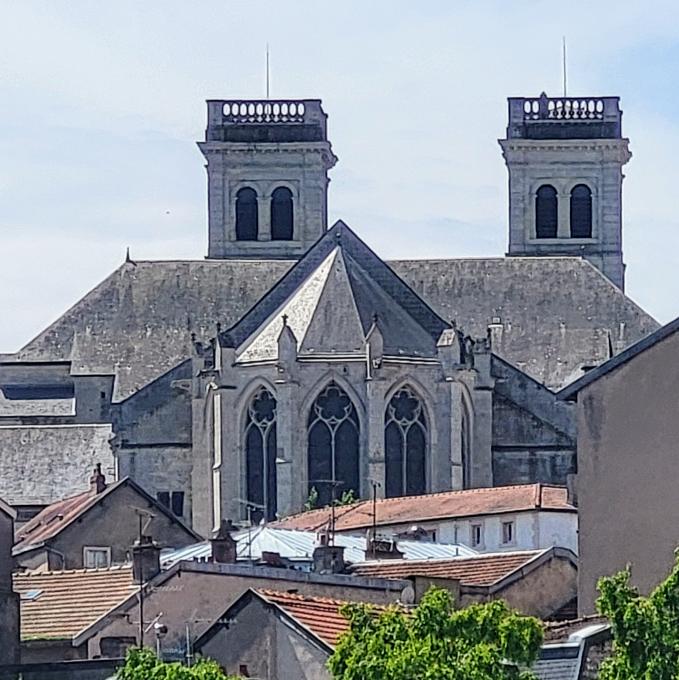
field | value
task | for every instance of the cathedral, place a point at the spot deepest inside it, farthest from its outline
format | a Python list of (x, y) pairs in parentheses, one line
[(293, 366)]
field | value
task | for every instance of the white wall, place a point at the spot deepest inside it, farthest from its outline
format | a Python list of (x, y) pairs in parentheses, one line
[(532, 531)]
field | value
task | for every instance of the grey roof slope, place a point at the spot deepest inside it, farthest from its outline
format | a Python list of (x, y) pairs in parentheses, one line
[(339, 277), (557, 313), (41, 464), (571, 391)]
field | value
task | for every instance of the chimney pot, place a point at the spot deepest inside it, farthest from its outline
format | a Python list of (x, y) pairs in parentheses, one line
[(145, 559), (97, 480), (224, 545)]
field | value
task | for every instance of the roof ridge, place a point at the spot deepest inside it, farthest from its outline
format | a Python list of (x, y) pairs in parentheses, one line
[(311, 599), (462, 558), (62, 572)]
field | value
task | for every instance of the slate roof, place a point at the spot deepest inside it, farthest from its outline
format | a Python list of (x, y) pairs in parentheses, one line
[(637, 348), (339, 277), (53, 519), (482, 570), (557, 314), (69, 601), (41, 464), (436, 506)]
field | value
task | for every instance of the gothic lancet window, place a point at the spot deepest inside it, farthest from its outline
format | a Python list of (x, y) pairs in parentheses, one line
[(405, 445), (546, 212), (581, 212), (465, 445), (247, 220), (281, 215), (260, 454), (333, 439)]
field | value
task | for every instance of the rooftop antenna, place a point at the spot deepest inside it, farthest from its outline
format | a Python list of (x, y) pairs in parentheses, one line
[(565, 81), (268, 78), (249, 507)]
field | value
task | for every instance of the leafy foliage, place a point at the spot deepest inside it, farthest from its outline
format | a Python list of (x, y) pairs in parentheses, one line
[(347, 498), (143, 664), (645, 629), (312, 500), (436, 642)]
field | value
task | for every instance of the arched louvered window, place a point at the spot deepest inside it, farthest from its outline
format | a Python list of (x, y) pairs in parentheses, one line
[(260, 455), (333, 440), (247, 219), (281, 215), (405, 444), (581, 212), (546, 212)]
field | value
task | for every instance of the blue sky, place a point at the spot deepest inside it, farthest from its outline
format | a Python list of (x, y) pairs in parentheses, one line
[(102, 104)]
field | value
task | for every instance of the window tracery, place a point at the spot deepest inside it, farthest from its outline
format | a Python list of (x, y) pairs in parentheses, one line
[(405, 443), (260, 454), (333, 445)]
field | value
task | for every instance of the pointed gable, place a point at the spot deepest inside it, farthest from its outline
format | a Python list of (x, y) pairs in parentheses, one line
[(330, 300)]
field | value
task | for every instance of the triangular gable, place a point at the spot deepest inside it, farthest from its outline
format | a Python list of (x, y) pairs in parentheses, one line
[(335, 326), (340, 273)]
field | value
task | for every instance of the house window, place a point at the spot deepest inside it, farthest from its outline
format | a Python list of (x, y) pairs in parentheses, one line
[(405, 445), (333, 445), (546, 212), (172, 500), (477, 535), (507, 533), (97, 557)]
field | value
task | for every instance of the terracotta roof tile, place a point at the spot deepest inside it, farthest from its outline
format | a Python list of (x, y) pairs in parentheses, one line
[(51, 520), (445, 505), (483, 570), (69, 601), (320, 615)]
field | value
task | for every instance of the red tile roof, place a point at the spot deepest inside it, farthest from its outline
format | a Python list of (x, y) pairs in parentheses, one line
[(436, 506), (69, 601), (320, 615), (483, 570), (57, 516), (52, 519)]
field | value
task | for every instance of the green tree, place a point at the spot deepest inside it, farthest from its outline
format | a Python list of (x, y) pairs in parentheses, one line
[(436, 642), (645, 629), (143, 664)]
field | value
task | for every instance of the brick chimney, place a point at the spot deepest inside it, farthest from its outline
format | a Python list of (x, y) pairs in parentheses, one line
[(224, 546), (145, 559), (328, 559), (97, 481)]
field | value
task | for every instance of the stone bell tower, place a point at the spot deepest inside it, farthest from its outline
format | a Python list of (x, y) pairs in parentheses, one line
[(267, 168), (565, 157)]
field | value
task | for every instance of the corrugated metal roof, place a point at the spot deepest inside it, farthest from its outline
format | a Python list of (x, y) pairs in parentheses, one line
[(299, 546)]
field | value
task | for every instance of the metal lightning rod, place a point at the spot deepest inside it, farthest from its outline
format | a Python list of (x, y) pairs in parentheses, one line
[(565, 82)]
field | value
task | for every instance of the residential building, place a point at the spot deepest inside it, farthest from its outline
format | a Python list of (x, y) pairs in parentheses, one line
[(627, 463), (540, 583), (9, 600), (57, 606), (521, 517), (96, 528)]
